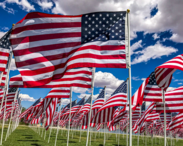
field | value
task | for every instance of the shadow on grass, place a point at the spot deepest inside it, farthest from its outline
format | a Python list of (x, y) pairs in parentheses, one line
[(29, 137), (35, 144), (29, 140)]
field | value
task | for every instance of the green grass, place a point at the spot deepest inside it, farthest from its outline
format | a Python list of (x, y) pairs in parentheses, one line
[(25, 136)]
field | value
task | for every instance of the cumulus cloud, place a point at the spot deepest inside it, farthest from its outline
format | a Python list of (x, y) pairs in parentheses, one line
[(170, 88), (26, 97), (163, 20), (24, 4), (45, 4), (153, 52), (179, 83), (176, 38), (155, 36), (79, 90), (65, 101), (1, 34)]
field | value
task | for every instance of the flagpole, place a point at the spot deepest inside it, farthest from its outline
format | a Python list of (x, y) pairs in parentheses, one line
[(164, 106), (58, 121), (129, 69), (50, 131), (69, 115), (92, 88), (139, 129)]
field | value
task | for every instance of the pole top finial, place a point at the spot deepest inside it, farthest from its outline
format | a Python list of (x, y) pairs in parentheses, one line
[(128, 10), (104, 86), (13, 24)]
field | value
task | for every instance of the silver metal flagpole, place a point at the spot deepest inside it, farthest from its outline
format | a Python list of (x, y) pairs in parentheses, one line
[(164, 106), (58, 121), (50, 131), (69, 116), (139, 129), (129, 69), (92, 88)]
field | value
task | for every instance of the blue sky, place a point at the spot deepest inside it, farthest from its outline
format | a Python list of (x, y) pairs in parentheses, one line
[(156, 36)]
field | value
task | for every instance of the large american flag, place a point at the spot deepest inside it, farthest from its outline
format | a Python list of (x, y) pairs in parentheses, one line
[(118, 98), (152, 91), (12, 92), (77, 77), (164, 72), (46, 45), (4, 50)]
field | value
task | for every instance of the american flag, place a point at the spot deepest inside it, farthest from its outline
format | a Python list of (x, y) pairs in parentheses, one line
[(46, 45), (4, 77), (139, 123), (4, 50), (118, 98), (173, 101), (95, 107), (59, 93), (176, 122), (164, 72), (77, 77), (50, 110), (12, 92), (137, 98), (152, 91)]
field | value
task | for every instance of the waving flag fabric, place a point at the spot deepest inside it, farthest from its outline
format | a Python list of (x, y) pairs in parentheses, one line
[(95, 107), (59, 93), (173, 101), (176, 122), (77, 77), (137, 98), (118, 98), (46, 45), (164, 72), (4, 50), (50, 112), (152, 91)]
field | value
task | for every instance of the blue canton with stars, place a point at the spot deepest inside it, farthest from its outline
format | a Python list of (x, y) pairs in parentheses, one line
[(152, 79), (4, 41), (103, 26), (121, 89), (101, 95)]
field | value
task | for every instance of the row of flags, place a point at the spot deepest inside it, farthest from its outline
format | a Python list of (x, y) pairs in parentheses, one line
[(59, 52)]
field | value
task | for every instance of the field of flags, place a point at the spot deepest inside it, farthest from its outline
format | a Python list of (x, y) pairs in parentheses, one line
[(61, 52)]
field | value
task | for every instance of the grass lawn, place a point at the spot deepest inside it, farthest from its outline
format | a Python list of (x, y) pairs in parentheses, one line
[(25, 136)]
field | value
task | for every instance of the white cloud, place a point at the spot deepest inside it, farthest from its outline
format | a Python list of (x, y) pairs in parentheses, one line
[(143, 79), (26, 97), (141, 19), (79, 90), (176, 38), (135, 46), (13, 66), (179, 83), (106, 79), (1, 34), (155, 36), (153, 52), (170, 88), (5, 28), (24, 4), (178, 80), (45, 4), (136, 78), (65, 101)]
